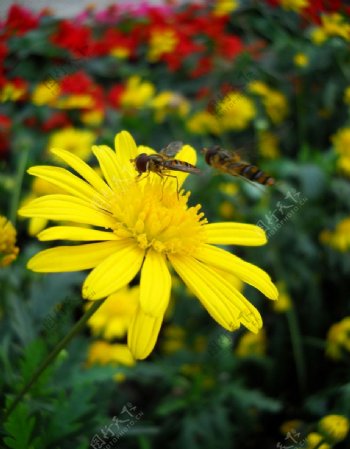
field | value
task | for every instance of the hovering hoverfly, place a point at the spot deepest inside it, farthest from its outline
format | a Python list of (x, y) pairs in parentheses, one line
[(163, 162), (231, 163)]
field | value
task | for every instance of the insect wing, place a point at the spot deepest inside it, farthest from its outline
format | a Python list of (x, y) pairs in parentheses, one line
[(185, 167), (172, 149)]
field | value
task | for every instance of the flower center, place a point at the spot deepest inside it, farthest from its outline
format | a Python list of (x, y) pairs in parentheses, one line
[(151, 212)]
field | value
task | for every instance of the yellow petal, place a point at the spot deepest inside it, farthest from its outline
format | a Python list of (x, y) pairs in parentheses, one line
[(145, 149), (68, 182), (126, 149), (223, 302), (66, 208), (235, 234), (114, 272), (112, 172), (155, 284), (143, 333), (36, 225), (84, 170), (71, 258), (186, 154), (247, 272), (75, 233)]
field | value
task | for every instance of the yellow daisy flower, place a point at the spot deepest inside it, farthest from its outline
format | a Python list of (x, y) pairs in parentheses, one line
[(268, 145), (294, 5), (341, 143), (103, 353), (169, 103), (203, 122), (137, 94), (251, 345), (334, 428), (78, 141), (235, 111), (224, 7), (46, 93), (301, 60), (347, 95), (161, 42), (8, 248), (338, 239), (112, 319), (315, 440), (338, 339), (146, 226)]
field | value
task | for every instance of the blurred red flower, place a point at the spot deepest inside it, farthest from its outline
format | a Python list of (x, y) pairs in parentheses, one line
[(56, 120), (5, 129), (20, 20), (75, 38)]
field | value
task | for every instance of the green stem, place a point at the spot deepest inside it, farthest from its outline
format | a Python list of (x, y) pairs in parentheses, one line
[(53, 354), (18, 183), (144, 442), (297, 347)]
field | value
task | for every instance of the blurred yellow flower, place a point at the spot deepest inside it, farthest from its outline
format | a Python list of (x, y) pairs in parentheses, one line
[(339, 239), (338, 339), (174, 339), (289, 426), (104, 353), (276, 106), (203, 122), (258, 88), (8, 248), (341, 143), (235, 111), (200, 343), (318, 36), (75, 101), (113, 318), (347, 95), (332, 25), (169, 102), (294, 5), (228, 188), (11, 92), (226, 210), (301, 60), (223, 7), (274, 101), (77, 141), (268, 145), (162, 41), (46, 93), (251, 344), (313, 441), (334, 428), (137, 93), (92, 118), (284, 302), (120, 52), (336, 25)]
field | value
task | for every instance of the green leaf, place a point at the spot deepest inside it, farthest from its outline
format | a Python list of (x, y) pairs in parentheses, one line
[(20, 427)]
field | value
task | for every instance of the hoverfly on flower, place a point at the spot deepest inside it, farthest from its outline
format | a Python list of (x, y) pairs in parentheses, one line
[(163, 162), (230, 162)]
